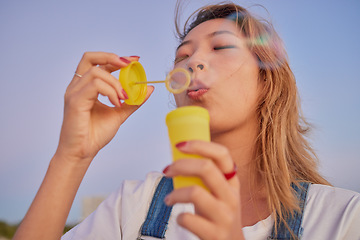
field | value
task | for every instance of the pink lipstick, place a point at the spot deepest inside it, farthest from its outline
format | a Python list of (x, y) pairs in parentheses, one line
[(196, 94)]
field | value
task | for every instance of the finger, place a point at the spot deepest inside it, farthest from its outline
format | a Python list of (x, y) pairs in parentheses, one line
[(111, 68), (216, 152), (98, 86), (91, 59), (126, 110), (209, 173), (98, 73), (204, 203), (197, 225)]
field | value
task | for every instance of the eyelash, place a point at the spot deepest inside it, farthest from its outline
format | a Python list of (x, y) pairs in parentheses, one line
[(224, 47), (179, 59)]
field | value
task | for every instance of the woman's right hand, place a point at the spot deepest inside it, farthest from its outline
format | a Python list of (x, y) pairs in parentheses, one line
[(88, 124), (87, 127)]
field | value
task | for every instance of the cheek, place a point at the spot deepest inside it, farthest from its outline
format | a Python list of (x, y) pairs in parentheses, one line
[(242, 92), (181, 64)]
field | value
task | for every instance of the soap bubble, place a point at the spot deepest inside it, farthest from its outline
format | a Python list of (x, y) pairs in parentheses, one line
[(178, 80)]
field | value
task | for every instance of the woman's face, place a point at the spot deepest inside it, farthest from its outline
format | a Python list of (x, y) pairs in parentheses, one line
[(224, 75)]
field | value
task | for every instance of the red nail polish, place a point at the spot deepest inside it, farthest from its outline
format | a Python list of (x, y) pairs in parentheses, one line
[(180, 144), (166, 169), (125, 60), (134, 56), (125, 95)]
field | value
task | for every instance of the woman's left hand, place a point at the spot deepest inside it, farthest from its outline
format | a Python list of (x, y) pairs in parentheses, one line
[(217, 211)]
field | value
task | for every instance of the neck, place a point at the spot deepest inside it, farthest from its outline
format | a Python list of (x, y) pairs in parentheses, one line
[(253, 196), (242, 146)]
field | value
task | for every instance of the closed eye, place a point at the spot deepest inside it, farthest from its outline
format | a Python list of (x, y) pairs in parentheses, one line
[(179, 59), (224, 47)]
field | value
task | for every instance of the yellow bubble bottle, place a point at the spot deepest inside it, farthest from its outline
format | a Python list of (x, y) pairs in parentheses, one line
[(184, 124)]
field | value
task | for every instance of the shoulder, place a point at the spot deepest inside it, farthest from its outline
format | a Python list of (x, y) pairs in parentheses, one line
[(319, 190), (328, 197), (132, 195), (332, 212)]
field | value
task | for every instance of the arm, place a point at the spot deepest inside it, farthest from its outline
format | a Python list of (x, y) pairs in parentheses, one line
[(47, 214), (88, 126)]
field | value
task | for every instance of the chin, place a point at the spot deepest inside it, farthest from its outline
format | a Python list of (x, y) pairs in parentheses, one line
[(189, 102)]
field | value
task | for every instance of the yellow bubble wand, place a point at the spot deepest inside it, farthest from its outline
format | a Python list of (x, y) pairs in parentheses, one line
[(133, 80)]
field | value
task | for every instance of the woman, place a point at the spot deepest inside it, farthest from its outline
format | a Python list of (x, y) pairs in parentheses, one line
[(241, 76)]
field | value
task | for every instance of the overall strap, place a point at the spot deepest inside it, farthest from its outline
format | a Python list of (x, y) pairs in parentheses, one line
[(158, 215), (294, 221)]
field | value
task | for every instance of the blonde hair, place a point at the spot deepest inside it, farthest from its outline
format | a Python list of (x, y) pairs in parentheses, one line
[(284, 156)]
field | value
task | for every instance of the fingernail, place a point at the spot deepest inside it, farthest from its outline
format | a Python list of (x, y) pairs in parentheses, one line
[(135, 57), (125, 60), (180, 144), (125, 95), (166, 169)]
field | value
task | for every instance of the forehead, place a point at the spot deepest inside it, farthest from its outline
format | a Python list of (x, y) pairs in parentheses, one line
[(209, 27)]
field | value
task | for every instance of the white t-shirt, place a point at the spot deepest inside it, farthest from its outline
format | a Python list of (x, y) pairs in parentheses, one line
[(330, 213)]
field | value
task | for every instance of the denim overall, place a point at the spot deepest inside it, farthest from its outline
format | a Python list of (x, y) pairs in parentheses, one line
[(156, 222)]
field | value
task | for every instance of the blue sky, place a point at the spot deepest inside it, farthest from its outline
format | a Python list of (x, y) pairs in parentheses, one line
[(42, 42)]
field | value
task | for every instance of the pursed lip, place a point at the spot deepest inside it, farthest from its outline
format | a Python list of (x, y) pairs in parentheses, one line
[(197, 90), (196, 94)]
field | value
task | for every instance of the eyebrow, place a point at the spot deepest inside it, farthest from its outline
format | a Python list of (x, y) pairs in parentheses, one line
[(209, 36)]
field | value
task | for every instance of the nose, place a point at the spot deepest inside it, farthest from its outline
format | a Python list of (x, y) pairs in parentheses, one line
[(194, 70), (199, 66), (197, 61)]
